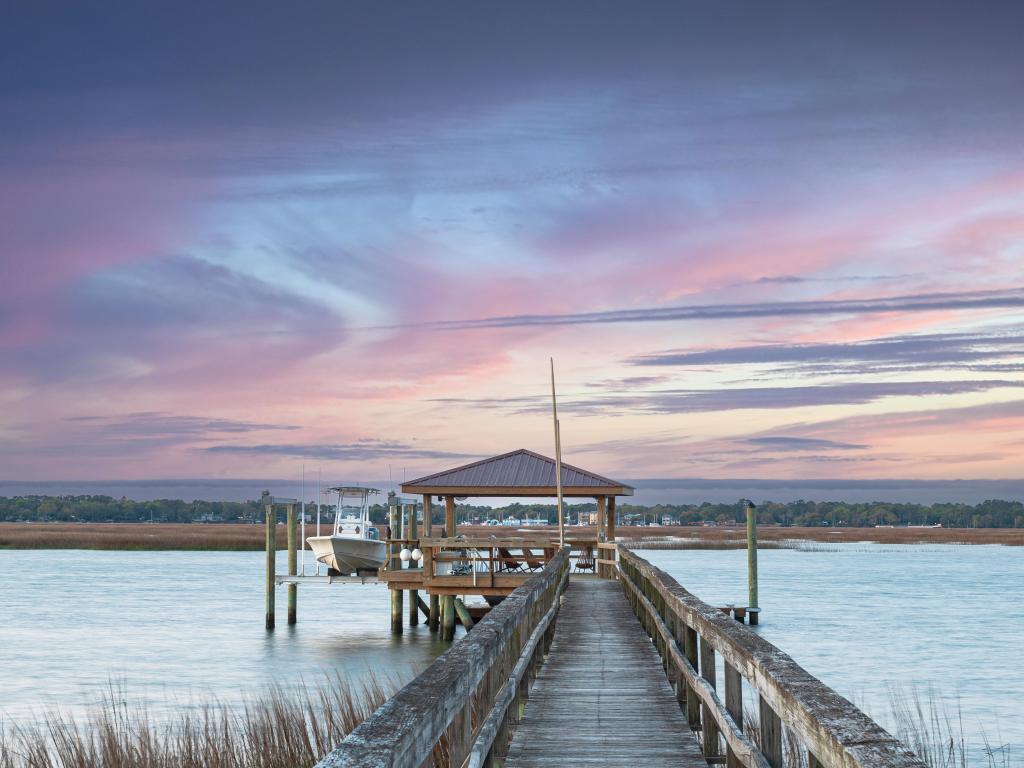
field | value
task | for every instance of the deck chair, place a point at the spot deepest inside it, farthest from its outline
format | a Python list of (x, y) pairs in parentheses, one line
[(509, 561), (532, 562), (585, 562)]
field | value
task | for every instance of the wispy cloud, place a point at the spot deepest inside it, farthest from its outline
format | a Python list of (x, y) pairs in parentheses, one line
[(924, 302), (358, 451), (739, 398), (787, 443), (907, 352), (157, 424)]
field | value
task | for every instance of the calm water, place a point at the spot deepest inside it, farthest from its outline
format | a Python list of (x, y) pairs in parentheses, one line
[(868, 619), (176, 627)]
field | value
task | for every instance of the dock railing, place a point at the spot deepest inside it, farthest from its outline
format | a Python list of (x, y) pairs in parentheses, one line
[(793, 706), (463, 707)]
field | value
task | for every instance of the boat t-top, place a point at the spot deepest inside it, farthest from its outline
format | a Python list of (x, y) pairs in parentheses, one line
[(355, 545)]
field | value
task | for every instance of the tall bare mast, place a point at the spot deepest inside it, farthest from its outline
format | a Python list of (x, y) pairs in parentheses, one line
[(558, 459)]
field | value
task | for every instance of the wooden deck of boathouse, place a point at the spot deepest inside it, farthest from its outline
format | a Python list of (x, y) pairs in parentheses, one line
[(602, 697)]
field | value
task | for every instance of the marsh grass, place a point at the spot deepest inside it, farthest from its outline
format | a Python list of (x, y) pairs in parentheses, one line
[(278, 729), (139, 536)]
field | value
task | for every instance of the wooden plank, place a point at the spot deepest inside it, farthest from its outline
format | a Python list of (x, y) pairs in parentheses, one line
[(601, 698)]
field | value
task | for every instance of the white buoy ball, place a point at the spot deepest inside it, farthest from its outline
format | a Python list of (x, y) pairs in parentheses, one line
[(417, 555), (405, 554)]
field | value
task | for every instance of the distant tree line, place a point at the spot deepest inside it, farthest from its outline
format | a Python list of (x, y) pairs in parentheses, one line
[(988, 514)]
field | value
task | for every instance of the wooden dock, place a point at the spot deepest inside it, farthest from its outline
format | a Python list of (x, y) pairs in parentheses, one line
[(602, 696)]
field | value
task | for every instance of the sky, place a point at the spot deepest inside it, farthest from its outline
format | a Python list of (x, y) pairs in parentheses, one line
[(779, 241)]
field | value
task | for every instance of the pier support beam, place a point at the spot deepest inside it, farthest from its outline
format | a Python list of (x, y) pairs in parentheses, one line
[(410, 528), (293, 565), (434, 617), (396, 611), (271, 560), (752, 562), (463, 613), (448, 617)]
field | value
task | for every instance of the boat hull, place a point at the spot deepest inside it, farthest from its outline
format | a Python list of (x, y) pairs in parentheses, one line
[(348, 555)]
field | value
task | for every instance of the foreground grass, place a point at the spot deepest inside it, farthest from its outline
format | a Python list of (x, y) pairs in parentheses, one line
[(281, 729)]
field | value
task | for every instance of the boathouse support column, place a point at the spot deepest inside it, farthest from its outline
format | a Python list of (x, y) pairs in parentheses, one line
[(752, 563), (450, 523), (293, 565), (434, 613), (609, 527), (601, 534), (428, 516), (414, 596), (271, 560)]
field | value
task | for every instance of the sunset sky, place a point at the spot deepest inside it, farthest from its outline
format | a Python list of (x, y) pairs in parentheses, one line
[(758, 242)]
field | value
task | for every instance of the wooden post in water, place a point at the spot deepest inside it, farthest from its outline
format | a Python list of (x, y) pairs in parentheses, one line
[(414, 596), (293, 565), (463, 613), (394, 564), (448, 617), (752, 562), (271, 559)]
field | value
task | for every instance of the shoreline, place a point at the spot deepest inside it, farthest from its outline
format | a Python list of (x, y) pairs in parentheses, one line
[(240, 537)]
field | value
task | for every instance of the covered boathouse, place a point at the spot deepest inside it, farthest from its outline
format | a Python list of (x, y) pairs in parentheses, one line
[(520, 473)]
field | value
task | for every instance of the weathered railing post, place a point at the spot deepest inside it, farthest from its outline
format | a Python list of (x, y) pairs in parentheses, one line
[(752, 606), (271, 558), (710, 726), (293, 565), (771, 734), (734, 706)]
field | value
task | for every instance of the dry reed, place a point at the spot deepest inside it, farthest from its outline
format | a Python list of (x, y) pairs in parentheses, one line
[(280, 729)]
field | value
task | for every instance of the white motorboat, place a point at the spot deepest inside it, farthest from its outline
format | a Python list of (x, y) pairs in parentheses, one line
[(355, 545)]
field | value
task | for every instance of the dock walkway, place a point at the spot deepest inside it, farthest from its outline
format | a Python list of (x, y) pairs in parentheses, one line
[(602, 698)]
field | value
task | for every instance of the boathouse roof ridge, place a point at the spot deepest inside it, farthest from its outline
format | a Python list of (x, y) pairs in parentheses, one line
[(517, 473)]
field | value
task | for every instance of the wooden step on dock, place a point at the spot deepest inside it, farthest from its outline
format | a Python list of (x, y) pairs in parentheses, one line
[(602, 698)]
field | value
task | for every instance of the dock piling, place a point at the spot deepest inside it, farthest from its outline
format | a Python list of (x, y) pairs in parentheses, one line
[(292, 565), (752, 562), (463, 613), (434, 617), (448, 617), (271, 563), (397, 596)]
